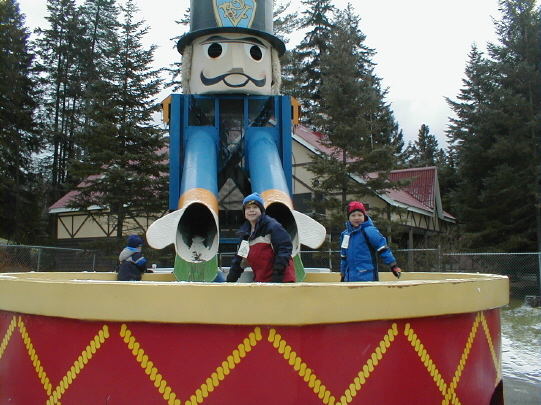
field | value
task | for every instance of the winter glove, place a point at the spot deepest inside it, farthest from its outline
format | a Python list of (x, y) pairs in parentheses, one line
[(397, 271), (277, 274), (277, 278), (232, 277)]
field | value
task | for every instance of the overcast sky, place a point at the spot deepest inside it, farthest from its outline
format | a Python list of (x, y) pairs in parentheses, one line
[(422, 48)]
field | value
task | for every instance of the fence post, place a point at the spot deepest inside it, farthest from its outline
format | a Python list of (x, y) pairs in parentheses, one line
[(410, 250), (439, 258), (94, 262), (539, 261), (39, 258), (330, 251)]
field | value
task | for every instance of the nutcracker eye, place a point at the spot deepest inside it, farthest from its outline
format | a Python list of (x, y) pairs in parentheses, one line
[(215, 50), (255, 52)]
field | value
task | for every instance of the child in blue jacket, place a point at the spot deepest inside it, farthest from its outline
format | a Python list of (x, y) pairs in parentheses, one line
[(132, 261), (359, 243), (264, 245)]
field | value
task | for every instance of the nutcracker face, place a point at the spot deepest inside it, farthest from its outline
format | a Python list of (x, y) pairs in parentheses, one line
[(231, 63)]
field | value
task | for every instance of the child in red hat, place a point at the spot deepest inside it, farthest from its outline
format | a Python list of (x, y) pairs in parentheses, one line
[(360, 243)]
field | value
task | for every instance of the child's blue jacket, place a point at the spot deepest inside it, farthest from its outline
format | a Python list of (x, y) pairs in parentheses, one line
[(358, 262)]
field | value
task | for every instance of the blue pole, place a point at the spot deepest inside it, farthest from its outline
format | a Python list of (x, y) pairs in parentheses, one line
[(264, 164), (200, 168), (174, 150)]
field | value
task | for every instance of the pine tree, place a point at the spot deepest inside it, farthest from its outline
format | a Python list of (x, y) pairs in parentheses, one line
[(360, 128), (305, 64), (284, 24), (448, 179), (496, 136), (101, 22), (175, 69), (425, 150), (470, 134), (124, 158), (20, 209), (517, 59), (61, 54)]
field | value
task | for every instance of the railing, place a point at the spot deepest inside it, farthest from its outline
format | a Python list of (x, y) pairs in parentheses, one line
[(21, 258), (523, 269)]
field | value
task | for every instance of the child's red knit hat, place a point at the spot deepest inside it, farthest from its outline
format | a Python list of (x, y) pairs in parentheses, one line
[(356, 206)]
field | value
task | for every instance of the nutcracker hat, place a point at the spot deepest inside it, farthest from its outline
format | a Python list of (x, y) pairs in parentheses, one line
[(252, 17)]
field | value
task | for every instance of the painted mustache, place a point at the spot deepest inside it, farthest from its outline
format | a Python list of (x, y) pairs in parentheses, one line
[(210, 81)]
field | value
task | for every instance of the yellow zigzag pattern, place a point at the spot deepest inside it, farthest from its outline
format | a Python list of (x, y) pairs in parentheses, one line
[(213, 381), (210, 383), (7, 336), (449, 391), (79, 364), (313, 382), (34, 357), (497, 362), (29, 347)]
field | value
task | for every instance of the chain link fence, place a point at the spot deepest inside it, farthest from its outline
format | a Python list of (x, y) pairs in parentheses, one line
[(19, 258), (523, 269)]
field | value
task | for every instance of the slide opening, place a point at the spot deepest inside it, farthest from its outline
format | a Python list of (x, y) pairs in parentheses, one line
[(284, 215), (197, 234)]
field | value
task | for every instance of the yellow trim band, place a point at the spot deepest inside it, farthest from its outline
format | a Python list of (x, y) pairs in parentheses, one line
[(274, 196), (199, 195), (318, 300)]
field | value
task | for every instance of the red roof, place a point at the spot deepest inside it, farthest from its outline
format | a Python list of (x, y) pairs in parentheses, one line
[(423, 187), (63, 202), (315, 138), (422, 193)]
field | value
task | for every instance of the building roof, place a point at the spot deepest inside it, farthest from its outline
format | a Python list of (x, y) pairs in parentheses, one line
[(312, 140), (61, 205), (422, 189), (421, 195)]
